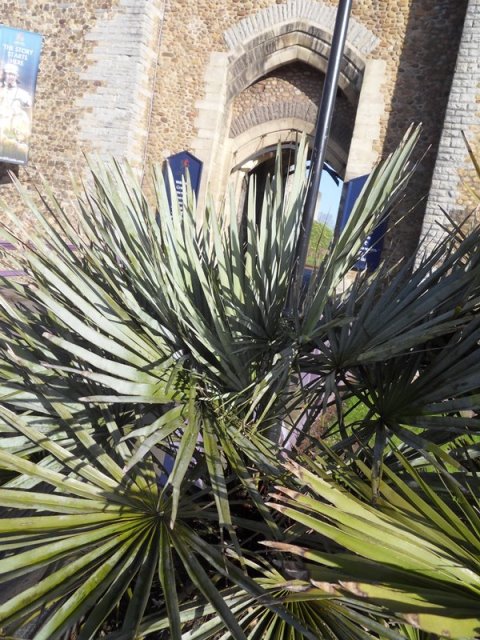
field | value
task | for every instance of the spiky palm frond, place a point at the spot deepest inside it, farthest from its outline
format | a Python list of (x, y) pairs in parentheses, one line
[(290, 609), (408, 351), (150, 292), (153, 300), (144, 376), (82, 537), (411, 552)]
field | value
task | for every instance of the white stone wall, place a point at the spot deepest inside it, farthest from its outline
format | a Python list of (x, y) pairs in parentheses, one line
[(368, 122), (122, 69)]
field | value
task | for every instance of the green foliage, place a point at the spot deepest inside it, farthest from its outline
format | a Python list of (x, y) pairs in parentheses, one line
[(320, 240), (412, 552), (149, 380)]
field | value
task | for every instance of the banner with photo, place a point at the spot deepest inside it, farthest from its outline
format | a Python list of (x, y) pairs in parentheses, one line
[(19, 59)]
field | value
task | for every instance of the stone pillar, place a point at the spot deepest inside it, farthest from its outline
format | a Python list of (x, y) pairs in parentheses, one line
[(121, 69), (367, 130), (210, 125)]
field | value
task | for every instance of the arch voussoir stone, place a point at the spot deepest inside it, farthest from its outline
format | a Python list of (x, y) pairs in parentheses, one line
[(311, 12), (261, 114), (297, 40)]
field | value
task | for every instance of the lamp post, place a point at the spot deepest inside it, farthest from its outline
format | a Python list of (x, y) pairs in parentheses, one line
[(322, 130)]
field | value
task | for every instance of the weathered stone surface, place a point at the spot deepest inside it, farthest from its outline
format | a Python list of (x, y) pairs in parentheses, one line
[(293, 91), (94, 85), (143, 79), (455, 175)]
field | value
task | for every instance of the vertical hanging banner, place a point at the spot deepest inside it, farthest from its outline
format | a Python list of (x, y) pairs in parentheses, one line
[(19, 59), (371, 251), (181, 164)]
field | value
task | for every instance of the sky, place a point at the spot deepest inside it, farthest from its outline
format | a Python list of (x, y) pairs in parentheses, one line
[(329, 200)]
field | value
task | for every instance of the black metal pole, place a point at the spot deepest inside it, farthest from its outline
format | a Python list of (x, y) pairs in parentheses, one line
[(322, 130)]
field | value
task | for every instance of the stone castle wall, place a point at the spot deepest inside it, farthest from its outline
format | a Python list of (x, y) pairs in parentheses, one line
[(144, 79), (455, 175), (93, 89), (297, 85)]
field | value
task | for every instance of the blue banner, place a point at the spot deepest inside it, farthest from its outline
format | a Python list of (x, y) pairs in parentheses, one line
[(371, 250), (19, 59), (180, 164)]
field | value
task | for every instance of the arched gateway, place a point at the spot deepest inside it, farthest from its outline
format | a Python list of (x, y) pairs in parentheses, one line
[(271, 83), (146, 79)]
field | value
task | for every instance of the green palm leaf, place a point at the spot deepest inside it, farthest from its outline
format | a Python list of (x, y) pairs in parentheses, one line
[(417, 563)]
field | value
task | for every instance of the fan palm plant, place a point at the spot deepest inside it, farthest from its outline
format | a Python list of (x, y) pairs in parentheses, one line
[(146, 377), (414, 553)]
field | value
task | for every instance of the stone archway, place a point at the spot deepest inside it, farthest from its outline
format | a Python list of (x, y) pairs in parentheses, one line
[(256, 143), (290, 96), (299, 41), (298, 31)]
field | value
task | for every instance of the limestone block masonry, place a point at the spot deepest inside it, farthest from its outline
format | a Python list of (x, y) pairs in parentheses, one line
[(94, 88), (121, 66), (454, 171)]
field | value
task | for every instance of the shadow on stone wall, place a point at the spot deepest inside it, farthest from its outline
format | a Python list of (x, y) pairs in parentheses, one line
[(6, 170), (421, 92)]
